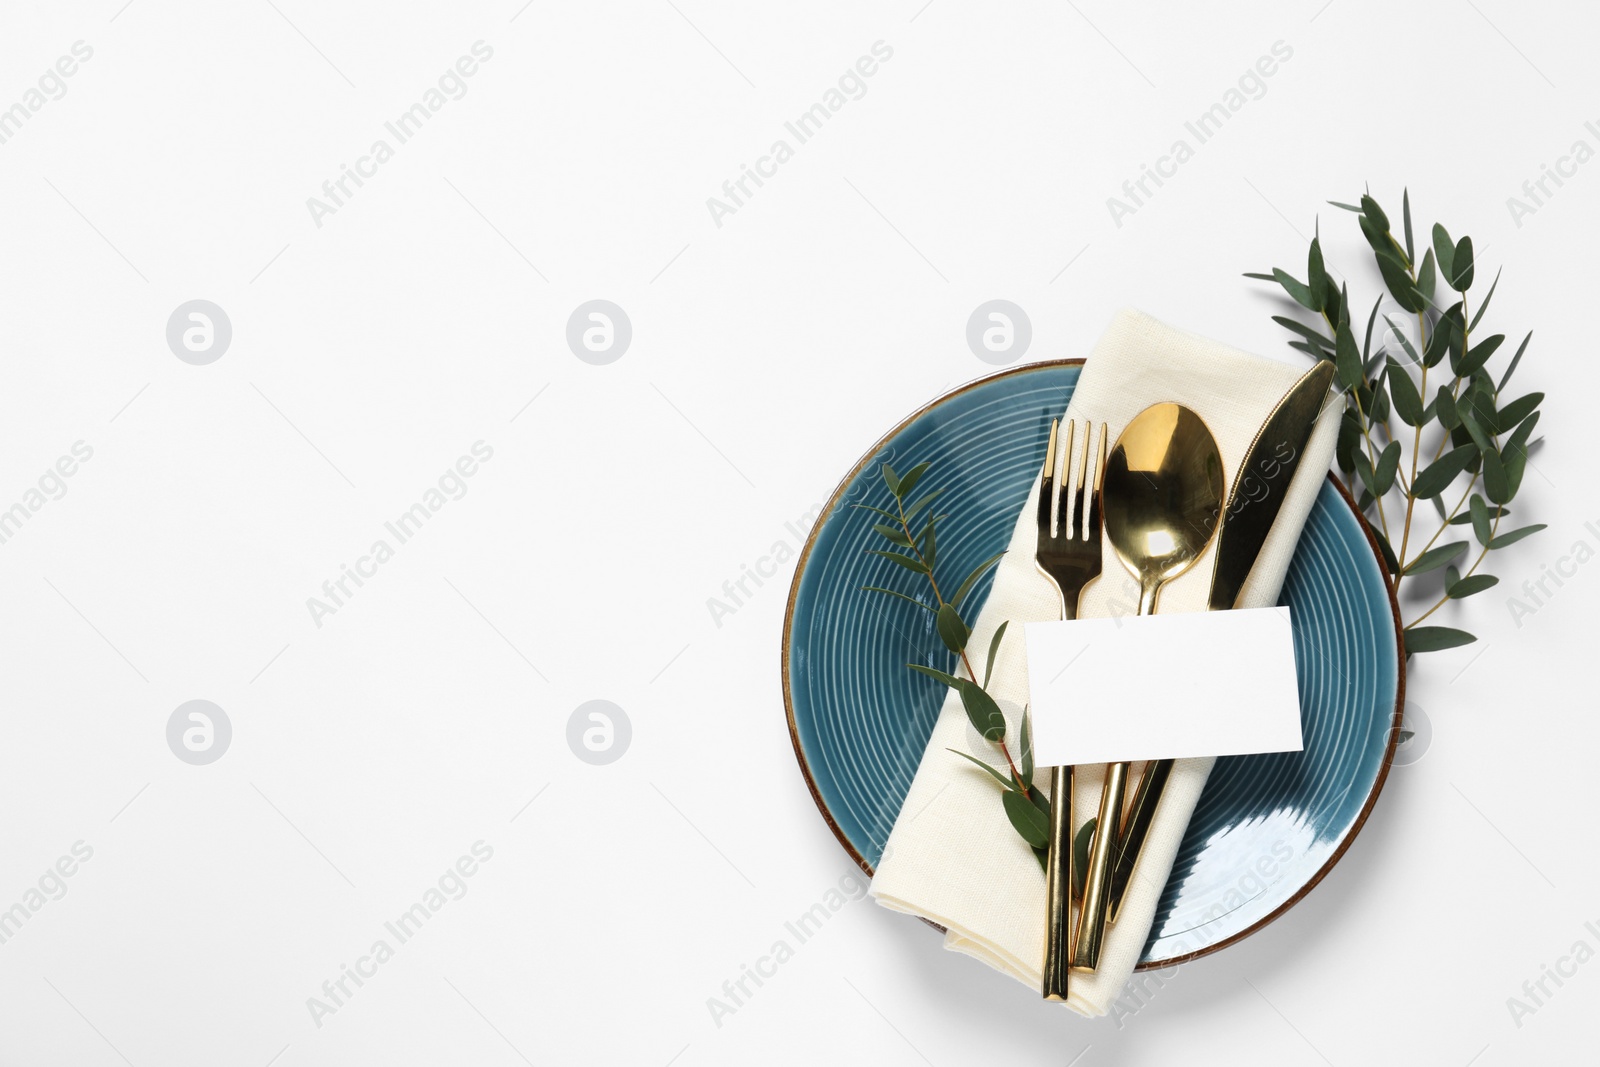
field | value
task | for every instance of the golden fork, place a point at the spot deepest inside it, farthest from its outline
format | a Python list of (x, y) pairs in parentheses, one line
[(1070, 561)]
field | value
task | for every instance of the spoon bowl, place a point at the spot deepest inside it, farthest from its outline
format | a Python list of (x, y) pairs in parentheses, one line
[(1163, 496)]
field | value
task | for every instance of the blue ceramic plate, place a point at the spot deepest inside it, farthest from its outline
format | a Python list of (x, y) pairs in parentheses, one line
[(1267, 828)]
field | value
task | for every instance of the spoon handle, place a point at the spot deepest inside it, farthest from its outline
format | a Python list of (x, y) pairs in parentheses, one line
[(1097, 883)]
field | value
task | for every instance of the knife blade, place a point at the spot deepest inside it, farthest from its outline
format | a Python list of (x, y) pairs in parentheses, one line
[(1253, 504), (1263, 481)]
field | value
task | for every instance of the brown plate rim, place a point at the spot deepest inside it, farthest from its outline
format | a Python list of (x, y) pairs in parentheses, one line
[(805, 768)]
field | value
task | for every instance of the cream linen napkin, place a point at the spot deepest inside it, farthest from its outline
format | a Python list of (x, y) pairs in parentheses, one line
[(952, 856)]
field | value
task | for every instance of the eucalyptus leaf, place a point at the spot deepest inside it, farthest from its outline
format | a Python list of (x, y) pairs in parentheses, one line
[(1388, 465), (909, 480), (1435, 638), (1473, 325), (1495, 483), (996, 775), (1437, 476), (1466, 587), (891, 479), (1523, 347), (1347, 360), (1435, 558), (982, 711), (1425, 275), (1444, 406), (1025, 744), (1507, 417), (1477, 355), (1445, 251), (1405, 212), (1317, 279), (891, 516), (1407, 404), (916, 508), (1387, 550), (972, 579), (1405, 342), (994, 650), (1031, 824), (1080, 854), (1460, 276), (1370, 208), (929, 549), (1515, 535), (893, 533), (1301, 292), (905, 561), (1480, 520), (1398, 281), (952, 631)]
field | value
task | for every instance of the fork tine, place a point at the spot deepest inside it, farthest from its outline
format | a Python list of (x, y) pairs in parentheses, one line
[(1047, 486), (1099, 478), (1063, 482), (1080, 480)]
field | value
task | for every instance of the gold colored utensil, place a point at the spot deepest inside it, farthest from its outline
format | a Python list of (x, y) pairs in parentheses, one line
[(1162, 498), (1068, 553), (1258, 491)]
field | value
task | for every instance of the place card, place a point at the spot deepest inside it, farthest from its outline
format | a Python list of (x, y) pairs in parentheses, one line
[(1207, 683)]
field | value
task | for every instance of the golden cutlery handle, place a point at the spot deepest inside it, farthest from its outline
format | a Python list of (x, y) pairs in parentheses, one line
[(1097, 883), (1058, 887), (1141, 816)]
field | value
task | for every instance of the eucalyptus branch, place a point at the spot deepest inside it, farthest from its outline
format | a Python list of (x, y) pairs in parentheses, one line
[(1482, 439)]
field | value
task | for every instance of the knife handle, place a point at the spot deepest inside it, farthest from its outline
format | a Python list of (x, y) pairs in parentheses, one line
[(1097, 883), (1058, 887), (1141, 816)]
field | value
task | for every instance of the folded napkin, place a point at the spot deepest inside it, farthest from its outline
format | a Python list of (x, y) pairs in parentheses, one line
[(952, 856)]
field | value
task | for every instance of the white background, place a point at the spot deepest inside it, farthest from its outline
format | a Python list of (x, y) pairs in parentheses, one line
[(371, 752)]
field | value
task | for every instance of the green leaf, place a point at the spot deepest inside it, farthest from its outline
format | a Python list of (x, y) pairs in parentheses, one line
[(1495, 483), (1370, 208), (929, 550), (893, 592), (891, 479), (893, 533), (1366, 342), (1473, 325), (1435, 558), (912, 511), (1444, 406), (1259, 276), (1446, 339), (1523, 347), (1398, 281), (1515, 453), (1297, 289), (1437, 476), (1405, 212), (1425, 275), (905, 561), (891, 516), (1480, 520), (1347, 207), (1507, 417), (994, 650), (1407, 404), (982, 711), (1025, 744), (1388, 464), (1469, 585), (1460, 278), (1030, 823), (1405, 342), (937, 675), (909, 480), (1387, 550), (1445, 250), (1317, 279), (1080, 854), (1477, 355), (1435, 638), (1348, 441), (1469, 422), (952, 631), (1315, 336), (996, 775), (1515, 535), (1347, 360), (972, 579), (1365, 472)]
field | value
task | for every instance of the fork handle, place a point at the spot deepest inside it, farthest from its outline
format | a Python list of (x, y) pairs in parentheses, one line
[(1141, 815), (1058, 887)]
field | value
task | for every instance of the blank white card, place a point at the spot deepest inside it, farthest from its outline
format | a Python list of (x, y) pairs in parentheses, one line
[(1208, 683)]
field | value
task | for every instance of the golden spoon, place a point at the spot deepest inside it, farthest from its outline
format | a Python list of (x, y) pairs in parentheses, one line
[(1162, 500)]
